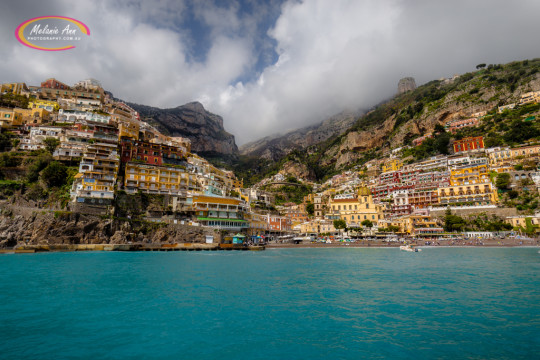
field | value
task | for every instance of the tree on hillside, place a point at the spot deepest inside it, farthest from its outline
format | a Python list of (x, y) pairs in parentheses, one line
[(5, 143), (439, 129), (503, 181), (54, 175), (51, 144), (453, 222), (480, 66), (310, 209)]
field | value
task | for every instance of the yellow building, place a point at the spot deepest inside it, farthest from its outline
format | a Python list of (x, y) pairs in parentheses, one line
[(9, 118), (14, 88), (258, 223), (469, 184), (507, 156), (129, 129), (44, 104), (525, 151), (477, 194), (317, 226), (521, 220), (392, 165), (156, 179), (474, 173), (33, 116), (355, 208)]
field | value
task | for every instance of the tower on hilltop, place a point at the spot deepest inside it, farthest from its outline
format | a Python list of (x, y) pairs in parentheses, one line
[(406, 84)]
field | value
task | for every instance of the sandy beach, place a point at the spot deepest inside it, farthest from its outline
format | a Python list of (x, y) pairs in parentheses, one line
[(508, 242)]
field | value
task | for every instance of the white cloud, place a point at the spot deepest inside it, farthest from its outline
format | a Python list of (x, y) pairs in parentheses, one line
[(333, 55)]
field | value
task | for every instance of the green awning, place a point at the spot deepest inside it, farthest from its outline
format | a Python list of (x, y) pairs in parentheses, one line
[(220, 219)]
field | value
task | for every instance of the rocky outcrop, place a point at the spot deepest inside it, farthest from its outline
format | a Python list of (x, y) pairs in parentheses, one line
[(48, 228), (276, 146), (298, 170), (406, 84), (193, 121)]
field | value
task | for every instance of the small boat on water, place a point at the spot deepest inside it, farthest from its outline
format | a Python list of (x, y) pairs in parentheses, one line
[(409, 247)]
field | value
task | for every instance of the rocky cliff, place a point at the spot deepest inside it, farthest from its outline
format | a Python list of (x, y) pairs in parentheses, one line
[(48, 228), (276, 146), (417, 112), (193, 121)]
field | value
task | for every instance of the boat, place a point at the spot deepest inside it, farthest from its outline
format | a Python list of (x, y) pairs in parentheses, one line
[(409, 248)]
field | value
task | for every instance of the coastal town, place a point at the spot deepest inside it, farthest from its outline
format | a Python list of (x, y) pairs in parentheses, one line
[(115, 152)]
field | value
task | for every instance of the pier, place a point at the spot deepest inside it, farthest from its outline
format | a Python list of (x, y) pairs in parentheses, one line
[(131, 247)]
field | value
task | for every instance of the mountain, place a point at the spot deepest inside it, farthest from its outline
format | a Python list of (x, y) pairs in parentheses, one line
[(416, 113), (410, 115), (193, 121), (276, 146)]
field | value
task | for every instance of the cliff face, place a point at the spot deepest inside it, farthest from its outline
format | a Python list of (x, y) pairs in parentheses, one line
[(417, 112), (72, 228), (275, 147), (193, 121)]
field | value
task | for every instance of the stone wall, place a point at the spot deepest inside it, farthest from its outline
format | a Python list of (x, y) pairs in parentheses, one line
[(500, 212)]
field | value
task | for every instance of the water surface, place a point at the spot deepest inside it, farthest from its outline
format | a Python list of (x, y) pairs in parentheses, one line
[(447, 303)]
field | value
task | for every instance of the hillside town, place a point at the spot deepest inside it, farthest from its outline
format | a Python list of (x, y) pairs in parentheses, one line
[(118, 153)]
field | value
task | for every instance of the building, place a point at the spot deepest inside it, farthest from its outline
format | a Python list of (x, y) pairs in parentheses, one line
[(522, 220), (72, 116), (318, 206), (278, 224), (97, 175), (394, 164), (456, 125), (14, 88), (76, 96), (88, 84), (318, 227), (219, 212), (154, 179), (258, 223), (510, 156), (356, 209), (418, 141), (473, 194), (48, 105), (151, 153), (54, 84), (500, 109), (469, 144), (10, 118), (529, 98), (35, 116)]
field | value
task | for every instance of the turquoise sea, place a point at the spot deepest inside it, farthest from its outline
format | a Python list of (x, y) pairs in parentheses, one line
[(441, 303)]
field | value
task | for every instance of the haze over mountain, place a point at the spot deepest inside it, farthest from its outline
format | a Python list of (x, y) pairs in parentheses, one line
[(276, 146)]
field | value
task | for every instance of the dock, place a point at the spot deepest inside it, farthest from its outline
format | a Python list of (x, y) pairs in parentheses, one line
[(25, 249)]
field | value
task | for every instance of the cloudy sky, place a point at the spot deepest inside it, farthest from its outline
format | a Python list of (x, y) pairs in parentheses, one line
[(270, 66)]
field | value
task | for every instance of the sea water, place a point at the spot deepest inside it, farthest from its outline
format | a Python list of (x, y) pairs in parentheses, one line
[(444, 303)]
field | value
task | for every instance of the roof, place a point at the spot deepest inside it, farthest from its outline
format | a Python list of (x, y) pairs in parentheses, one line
[(222, 219)]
